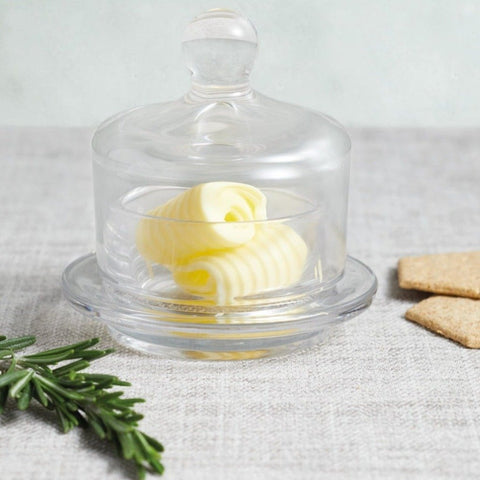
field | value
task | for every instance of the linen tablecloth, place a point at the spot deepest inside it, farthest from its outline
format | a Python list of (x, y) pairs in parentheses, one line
[(381, 399)]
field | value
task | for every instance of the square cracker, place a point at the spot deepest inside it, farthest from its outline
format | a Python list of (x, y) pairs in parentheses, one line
[(446, 273), (453, 317)]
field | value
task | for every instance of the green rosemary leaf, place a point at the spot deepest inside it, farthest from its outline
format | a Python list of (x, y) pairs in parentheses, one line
[(107, 397), (75, 347), (11, 377), (72, 419), (71, 367), (97, 426), (92, 354), (145, 447), (154, 443), (116, 424), (71, 406), (130, 417), (100, 382), (13, 365), (156, 465), (6, 353), (107, 379), (33, 365), (148, 451), (67, 418), (75, 383), (70, 394), (129, 402), (66, 426), (17, 343), (97, 377), (126, 442), (49, 359), (16, 388), (40, 393), (86, 389), (26, 395)]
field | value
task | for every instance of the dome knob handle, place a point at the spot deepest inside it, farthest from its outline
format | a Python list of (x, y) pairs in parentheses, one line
[(220, 47)]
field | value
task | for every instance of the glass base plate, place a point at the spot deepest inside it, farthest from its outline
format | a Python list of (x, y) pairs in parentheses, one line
[(159, 330)]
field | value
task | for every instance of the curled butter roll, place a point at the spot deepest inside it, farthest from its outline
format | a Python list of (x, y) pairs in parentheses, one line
[(174, 237), (274, 258)]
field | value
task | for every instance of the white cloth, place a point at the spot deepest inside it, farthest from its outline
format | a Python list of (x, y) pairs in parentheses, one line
[(381, 399)]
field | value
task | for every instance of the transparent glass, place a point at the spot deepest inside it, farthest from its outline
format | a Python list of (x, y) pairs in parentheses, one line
[(221, 131), (222, 201), (309, 210)]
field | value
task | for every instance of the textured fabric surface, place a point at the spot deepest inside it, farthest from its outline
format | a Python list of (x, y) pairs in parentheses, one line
[(381, 399)]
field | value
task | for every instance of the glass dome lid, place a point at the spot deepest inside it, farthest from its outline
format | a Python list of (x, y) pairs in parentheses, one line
[(221, 122)]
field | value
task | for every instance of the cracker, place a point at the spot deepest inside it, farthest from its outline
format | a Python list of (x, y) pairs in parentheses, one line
[(446, 273), (453, 317)]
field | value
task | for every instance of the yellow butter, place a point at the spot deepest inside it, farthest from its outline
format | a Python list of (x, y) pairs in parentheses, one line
[(203, 219), (229, 355), (274, 258)]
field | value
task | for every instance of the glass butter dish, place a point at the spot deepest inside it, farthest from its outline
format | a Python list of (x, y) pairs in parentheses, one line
[(220, 217)]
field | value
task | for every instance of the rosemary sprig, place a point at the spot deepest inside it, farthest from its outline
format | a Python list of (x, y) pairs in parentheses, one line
[(78, 398)]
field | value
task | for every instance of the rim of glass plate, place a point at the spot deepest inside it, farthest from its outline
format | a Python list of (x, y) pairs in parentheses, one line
[(116, 312)]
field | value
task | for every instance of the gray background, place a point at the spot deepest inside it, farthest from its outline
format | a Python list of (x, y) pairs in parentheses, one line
[(365, 62)]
